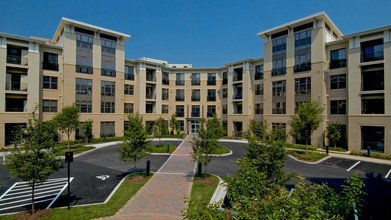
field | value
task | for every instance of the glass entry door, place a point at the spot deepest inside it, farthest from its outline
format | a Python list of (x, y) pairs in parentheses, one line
[(195, 126)]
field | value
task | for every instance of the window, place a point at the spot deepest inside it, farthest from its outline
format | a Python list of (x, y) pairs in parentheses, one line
[(49, 106), (195, 95), (129, 90), (150, 75), (211, 79), (195, 111), (225, 109), (49, 82), (303, 62), (338, 58), (14, 54), (84, 64), (180, 111), (373, 137), (164, 109), (195, 79), (84, 106), (303, 51), (258, 89), (238, 108), (279, 88), (150, 92), (279, 46), (84, 41), (303, 86), (50, 61), (181, 125), (83, 86), (180, 95), (338, 107), (225, 78), (149, 108), (279, 67), (225, 93), (303, 40), (165, 78), (372, 50), (259, 108), (258, 72), (373, 80), (211, 111), (238, 74), (107, 129), (129, 73), (180, 79), (211, 95), (165, 94), (107, 107), (108, 68), (108, 47), (128, 108), (372, 104), (279, 108), (338, 81), (107, 88)]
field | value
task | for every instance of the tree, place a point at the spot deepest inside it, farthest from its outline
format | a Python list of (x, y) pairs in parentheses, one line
[(306, 121), (334, 132), (87, 129), (135, 143), (258, 129), (67, 120), (37, 161), (205, 143), (173, 124), (160, 128)]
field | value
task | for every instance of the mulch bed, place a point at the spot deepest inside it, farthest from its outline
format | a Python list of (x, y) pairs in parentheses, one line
[(136, 179), (41, 213), (207, 181)]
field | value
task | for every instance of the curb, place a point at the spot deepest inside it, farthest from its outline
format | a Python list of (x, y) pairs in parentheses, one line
[(233, 141), (312, 163), (222, 155), (220, 191)]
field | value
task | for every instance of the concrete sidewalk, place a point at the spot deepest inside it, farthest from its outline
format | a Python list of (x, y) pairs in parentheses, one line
[(163, 196)]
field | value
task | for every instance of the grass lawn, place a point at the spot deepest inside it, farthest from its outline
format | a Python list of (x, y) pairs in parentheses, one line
[(121, 196), (310, 157), (205, 190), (77, 149), (221, 150), (162, 148)]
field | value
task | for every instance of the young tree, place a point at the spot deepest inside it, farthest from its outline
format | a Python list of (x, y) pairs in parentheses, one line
[(67, 120), (135, 143), (87, 129), (306, 121), (334, 132), (37, 160), (173, 123), (258, 129), (160, 128)]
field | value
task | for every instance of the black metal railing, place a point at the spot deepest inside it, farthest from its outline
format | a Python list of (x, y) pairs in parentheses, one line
[(237, 78), (180, 114), (195, 98), (302, 67), (211, 82), (14, 59), (195, 114), (211, 98), (16, 86), (334, 64), (179, 98), (108, 72), (180, 82), (84, 69), (237, 96), (278, 111)]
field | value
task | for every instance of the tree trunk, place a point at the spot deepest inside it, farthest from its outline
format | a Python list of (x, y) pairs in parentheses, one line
[(205, 170), (134, 168), (32, 199), (68, 141), (306, 145)]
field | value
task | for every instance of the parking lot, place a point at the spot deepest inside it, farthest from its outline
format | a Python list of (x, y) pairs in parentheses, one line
[(98, 172)]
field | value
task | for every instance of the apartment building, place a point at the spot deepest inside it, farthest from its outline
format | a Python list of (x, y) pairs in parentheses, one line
[(306, 59)]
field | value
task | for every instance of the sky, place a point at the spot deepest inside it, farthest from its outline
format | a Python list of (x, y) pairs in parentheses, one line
[(203, 33)]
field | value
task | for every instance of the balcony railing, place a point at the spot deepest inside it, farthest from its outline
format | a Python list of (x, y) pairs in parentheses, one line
[(279, 71), (211, 98), (50, 66), (259, 111), (16, 86), (238, 112), (195, 82), (258, 76), (180, 82), (150, 96), (164, 96), (151, 78), (238, 78), (195, 114), (108, 72), (237, 96), (337, 63), (14, 59), (302, 67), (179, 98), (129, 76), (278, 111), (211, 82), (225, 81), (165, 81), (180, 114), (195, 98), (83, 69)]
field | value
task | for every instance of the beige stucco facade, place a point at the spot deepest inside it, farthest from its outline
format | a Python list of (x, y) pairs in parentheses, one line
[(237, 97)]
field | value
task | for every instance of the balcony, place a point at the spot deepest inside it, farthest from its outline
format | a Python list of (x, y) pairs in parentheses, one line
[(50, 66), (279, 71), (180, 114), (238, 112), (225, 81), (14, 59), (151, 78), (16, 86), (195, 114), (237, 78), (237, 96), (372, 51), (84, 69), (15, 105), (211, 82), (165, 81), (302, 67), (108, 72), (259, 111), (334, 64), (180, 82), (129, 77), (150, 96), (195, 98), (195, 82), (211, 98), (278, 111), (258, 75)]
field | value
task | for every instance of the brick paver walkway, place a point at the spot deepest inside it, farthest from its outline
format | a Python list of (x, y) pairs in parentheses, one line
[(162, 196)]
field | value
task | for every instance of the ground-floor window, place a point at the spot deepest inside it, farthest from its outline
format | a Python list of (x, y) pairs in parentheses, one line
[(9, 132), (181, 125), (373, 137), (107, 129)]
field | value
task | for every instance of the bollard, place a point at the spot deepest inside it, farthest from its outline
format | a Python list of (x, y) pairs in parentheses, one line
[(327, 150), (369, 151), (15, 146), (199, 169), (104, 139), (168, 148), (148, 167), (182, 135)]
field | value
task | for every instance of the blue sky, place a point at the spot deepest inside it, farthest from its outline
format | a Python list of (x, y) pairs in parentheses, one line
[(204, 33)]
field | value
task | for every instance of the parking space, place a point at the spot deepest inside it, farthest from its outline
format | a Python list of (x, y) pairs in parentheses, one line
[(18, 196)]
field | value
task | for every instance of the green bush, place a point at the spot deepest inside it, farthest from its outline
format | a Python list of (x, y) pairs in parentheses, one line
[(310, 156), (300, 146), (221, 150), (161, 148), (373, 155), (76, 149), (337, 149)]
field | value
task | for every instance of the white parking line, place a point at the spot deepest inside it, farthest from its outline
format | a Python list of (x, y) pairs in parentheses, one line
[(388, 174), (353, 166)]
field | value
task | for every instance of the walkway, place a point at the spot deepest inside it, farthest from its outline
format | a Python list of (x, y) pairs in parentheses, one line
[(163, 196)]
